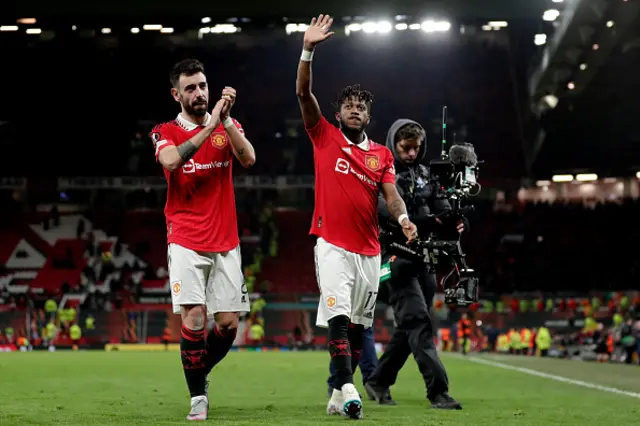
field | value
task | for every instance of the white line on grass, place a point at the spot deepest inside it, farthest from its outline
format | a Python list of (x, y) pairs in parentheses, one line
[(552, 377)]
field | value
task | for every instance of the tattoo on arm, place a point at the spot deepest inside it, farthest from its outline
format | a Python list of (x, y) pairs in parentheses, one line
[(397, 208), (187, 150)]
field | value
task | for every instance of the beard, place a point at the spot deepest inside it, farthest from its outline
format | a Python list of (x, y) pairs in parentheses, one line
[(197, 109), (352, 125)]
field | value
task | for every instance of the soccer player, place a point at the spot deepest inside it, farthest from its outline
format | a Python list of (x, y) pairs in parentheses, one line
[(196, 150), (350, 172)]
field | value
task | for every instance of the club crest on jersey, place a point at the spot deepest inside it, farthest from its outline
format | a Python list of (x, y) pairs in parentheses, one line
[(176, 287), (372, 162), (218, 141), (331, 301)]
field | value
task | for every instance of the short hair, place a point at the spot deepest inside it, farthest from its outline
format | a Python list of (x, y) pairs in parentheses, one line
[(186, 67), (410, 131), (354, 92)]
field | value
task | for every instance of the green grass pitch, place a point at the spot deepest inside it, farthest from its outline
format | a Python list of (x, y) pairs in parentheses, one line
[(288, 388)]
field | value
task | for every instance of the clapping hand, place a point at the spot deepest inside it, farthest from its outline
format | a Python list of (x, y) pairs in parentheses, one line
[(229, 96)]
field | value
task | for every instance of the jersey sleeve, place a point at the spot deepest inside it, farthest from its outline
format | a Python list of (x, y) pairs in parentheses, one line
[(389, 170), (320, 133), (161, 138)]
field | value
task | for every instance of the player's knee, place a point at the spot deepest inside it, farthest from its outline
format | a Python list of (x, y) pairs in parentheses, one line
[(338, 327), (193, 316), (227, 321)]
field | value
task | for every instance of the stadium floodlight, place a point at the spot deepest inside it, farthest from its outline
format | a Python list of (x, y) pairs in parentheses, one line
[(586, 177), (384, 27), (583, 67), (106, 31), (562, 178), (205, 20), (166, 30), (571, 85), (487, 28), (26, 21), (443, 26), (557, 1), (401, 26), (610, 24), (34, 31), (135, 30), (369, 27), (152, 27), (224, 29), (551, 101), (415, 26), (550, 15), (542, 183), (9, 28), (638, 175), (498, 24), (352, 27), (435, 26), (540, 39), (295, 28)]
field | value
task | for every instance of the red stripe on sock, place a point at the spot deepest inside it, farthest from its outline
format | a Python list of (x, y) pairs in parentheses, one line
[(339, 348), (192, 335)]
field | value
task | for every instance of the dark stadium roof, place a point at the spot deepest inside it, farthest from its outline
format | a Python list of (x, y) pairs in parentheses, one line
[(480, 9), (595, 126)]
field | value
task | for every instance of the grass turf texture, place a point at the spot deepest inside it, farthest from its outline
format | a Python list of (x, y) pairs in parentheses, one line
[(288, 388)]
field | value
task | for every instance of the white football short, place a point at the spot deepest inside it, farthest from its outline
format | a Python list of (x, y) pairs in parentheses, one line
[(204, 278), (348, 284)]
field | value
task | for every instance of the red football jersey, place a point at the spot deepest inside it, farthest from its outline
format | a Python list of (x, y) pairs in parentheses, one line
[(201, 204), (348, 181)]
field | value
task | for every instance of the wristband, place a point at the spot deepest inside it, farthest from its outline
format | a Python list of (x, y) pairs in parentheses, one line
[(228, 122), (402, 217), (307, 56)]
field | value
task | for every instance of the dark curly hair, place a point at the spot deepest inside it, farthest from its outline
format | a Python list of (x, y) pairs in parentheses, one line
[(186, 67), (410, 131), (354, 91)]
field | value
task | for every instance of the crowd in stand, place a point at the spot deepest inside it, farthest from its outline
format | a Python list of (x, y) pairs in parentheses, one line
[(556, 247)]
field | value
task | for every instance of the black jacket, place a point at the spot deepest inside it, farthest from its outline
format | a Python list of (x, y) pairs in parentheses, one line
[(415, 189)]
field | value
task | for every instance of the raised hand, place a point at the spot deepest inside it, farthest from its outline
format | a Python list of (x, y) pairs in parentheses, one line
[(318, 31)]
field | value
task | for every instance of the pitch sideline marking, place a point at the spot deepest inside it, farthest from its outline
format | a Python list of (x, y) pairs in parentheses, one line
[(552, 377)]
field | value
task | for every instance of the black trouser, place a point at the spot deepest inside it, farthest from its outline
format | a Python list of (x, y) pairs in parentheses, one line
[(411, 292)]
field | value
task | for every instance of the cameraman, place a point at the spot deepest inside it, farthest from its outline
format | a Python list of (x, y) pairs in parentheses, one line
[(411, 288)]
